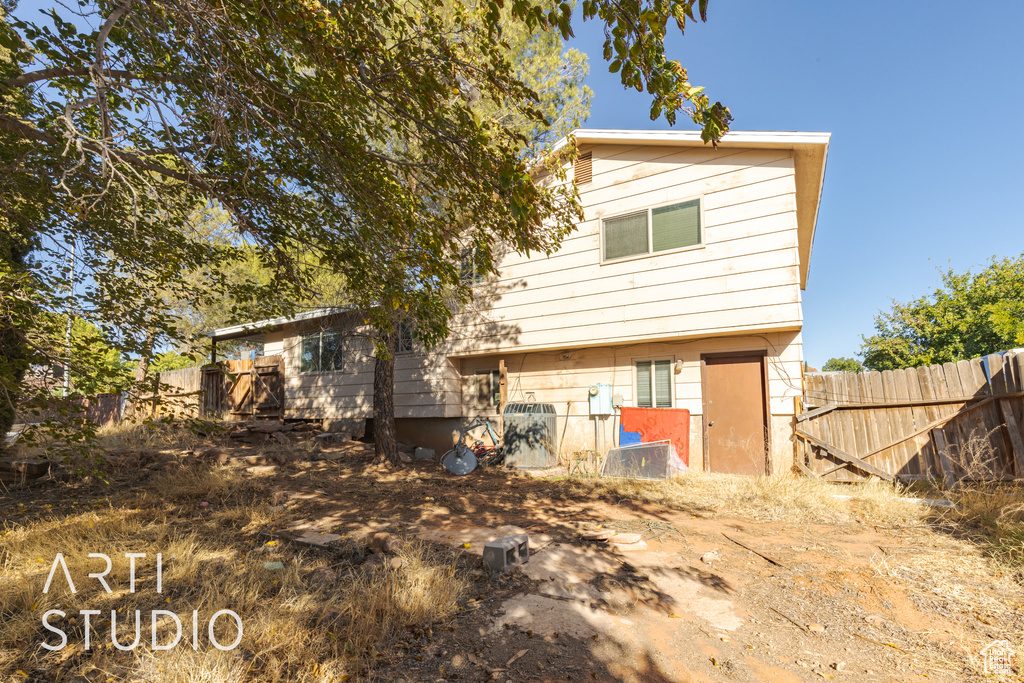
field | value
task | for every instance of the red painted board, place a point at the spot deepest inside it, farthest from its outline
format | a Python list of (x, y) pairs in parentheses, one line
[(659, 424)]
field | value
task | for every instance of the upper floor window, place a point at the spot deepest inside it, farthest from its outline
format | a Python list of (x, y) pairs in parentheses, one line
[(469, 272), (654, 384), (646, 232), (322, 351)]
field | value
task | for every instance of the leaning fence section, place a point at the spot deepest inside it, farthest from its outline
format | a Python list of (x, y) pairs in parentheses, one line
[(179, 393), (951, 421)]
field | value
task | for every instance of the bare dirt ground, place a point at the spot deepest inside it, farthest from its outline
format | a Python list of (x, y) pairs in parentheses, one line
[(839, 598)]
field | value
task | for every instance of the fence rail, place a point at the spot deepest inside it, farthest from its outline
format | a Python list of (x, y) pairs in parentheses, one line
[(950, 421)]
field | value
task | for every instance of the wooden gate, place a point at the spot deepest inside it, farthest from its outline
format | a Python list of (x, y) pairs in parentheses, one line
[(245, 389), (952, 421)]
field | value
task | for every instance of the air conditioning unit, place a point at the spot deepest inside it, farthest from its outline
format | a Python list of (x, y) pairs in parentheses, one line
[(530, 435)]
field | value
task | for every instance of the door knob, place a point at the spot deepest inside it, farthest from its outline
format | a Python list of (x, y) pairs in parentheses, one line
[(711, 424)]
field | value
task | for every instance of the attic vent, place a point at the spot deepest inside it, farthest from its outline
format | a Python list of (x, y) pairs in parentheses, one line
[(584, 168)]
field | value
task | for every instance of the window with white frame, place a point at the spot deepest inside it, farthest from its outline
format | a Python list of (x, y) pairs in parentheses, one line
[(663, 228), (654, 384), (322, 351)]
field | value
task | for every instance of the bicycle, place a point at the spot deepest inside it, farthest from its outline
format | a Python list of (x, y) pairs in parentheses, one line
[(463, 459)]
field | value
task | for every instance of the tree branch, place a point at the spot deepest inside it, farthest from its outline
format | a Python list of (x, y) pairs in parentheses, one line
[(13, 125), (64, 71)]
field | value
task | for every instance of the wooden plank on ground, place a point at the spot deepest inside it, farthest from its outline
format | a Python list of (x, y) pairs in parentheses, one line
[(843, 455)]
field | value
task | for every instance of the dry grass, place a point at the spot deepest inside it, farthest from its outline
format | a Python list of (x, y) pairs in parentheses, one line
[(155, 436), (779, 497), (988, 510), (994, 515), (295, 628)]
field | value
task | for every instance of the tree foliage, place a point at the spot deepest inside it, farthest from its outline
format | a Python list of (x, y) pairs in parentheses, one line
[(842, 364), (374, 140), (970, 315)]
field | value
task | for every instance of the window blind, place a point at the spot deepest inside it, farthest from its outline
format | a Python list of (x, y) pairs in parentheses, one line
[(625, 236), (662, 384), (676, 226), (643, 385)]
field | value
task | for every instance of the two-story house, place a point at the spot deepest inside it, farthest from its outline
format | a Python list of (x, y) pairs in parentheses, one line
[(679, 289)]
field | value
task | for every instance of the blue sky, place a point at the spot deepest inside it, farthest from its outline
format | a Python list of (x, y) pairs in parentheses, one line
[(923, 101)]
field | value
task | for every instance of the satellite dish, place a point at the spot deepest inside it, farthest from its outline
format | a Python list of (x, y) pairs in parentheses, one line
[(459, 460)]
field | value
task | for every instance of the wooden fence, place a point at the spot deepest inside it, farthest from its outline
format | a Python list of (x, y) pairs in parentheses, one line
[(244, 389), (103, 409), (951, 421), (179, 393)]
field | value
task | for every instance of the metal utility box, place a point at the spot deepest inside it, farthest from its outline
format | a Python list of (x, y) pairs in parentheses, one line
[(530, 435), (601, 399)]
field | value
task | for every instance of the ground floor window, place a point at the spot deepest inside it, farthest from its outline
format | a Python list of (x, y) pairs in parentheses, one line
[(487, 388), (322, 351), (654, 384), (403, 338)]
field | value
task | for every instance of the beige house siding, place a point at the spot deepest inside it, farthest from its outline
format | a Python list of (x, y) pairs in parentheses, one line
[(564, 377), (566, 322), (744, 277), (426, 385)]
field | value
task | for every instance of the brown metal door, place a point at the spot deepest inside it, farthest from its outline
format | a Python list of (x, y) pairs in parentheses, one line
[(734, 414)]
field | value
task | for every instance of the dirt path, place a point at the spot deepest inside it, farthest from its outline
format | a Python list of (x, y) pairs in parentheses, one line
[(714, 597), (845, 602)]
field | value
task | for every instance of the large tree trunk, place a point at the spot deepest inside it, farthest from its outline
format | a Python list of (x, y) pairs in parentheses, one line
[(132, 406), (385, 441)]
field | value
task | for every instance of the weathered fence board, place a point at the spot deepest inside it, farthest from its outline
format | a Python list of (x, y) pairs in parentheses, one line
[(179, 392), (951, 421), (243, 389)]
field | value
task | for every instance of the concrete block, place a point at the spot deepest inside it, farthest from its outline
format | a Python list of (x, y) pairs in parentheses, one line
[(424, 453), (507, 552)]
